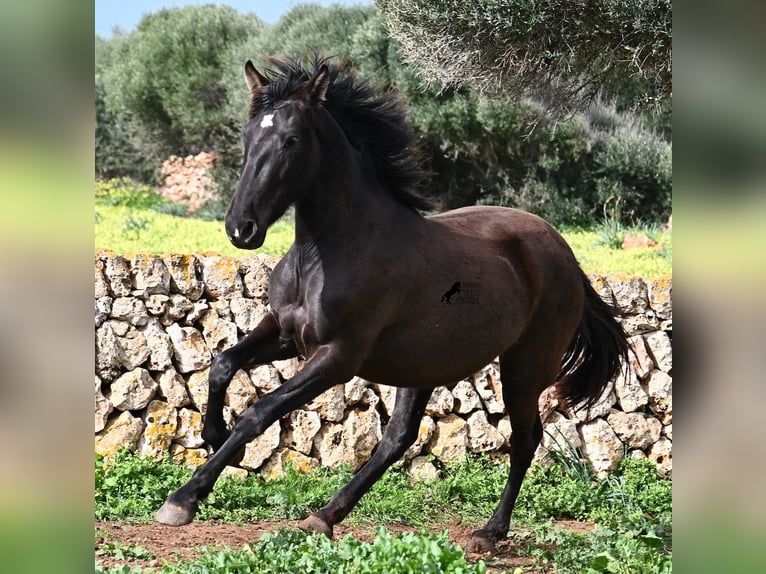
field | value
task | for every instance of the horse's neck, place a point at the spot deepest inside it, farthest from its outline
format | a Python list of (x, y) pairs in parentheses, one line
[(350, 212)]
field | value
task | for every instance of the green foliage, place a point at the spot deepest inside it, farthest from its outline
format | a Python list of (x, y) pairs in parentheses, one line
[(160, 232), (161, 85), (292, 551), (560, 52), (632, 507), (124, 192), (175, 86), (133, 487), (121, 551)]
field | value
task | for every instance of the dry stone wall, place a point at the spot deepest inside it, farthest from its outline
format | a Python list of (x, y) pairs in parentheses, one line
[(160, 320)]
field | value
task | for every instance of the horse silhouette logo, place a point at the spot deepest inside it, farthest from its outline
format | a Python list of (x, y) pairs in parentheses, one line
[(452, 291)]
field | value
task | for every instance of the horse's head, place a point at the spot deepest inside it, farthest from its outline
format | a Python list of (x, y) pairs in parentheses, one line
[(281, 156)]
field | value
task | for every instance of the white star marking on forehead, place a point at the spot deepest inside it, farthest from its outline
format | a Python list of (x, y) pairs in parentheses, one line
[(267, 121)]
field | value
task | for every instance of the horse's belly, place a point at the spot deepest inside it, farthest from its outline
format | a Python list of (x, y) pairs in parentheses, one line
[(439, 355)]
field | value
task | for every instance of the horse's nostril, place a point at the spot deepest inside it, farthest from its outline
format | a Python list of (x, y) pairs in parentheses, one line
[(248, 230)]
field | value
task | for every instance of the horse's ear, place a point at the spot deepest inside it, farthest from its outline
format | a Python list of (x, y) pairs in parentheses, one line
[(316, 88), (255, 80)]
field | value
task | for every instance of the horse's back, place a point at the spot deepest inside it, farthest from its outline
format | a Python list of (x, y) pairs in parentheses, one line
[(526, 238)]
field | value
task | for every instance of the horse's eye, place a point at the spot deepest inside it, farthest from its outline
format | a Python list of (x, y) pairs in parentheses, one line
[(290, 142)]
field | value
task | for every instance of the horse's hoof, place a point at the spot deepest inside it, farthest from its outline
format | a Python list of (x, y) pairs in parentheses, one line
[(314, 523), (173, 515), (482, 542)]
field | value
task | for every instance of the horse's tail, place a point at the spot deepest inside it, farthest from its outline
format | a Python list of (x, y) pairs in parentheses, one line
[(595, 354)]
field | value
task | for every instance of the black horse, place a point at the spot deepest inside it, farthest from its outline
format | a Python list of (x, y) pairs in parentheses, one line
[(344, 157)]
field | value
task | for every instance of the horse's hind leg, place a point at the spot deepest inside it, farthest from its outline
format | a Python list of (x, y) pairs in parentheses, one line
[(260, 346), (400, 433), (523, 380)]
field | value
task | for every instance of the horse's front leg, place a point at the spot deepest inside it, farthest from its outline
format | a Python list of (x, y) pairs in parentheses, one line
[(261, 345), (324, 369), (400, 433)]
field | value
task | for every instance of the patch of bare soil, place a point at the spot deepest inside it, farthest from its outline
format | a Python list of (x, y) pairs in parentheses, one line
[(116, 543)]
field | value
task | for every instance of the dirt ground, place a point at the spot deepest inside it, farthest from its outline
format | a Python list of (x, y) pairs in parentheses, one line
[(170, 544)]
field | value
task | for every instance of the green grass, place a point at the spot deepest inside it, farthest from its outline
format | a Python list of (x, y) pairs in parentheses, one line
[(632, 509), (133, 219)]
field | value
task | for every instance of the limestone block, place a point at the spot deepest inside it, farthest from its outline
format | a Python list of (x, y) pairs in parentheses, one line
[(660, 390), (601, 447), (667, 431), (189, 349), (353, 390), (122, 431), (660, 296), (261, 448), (108, 352), (631, 294), (466, 398), (219, 334), (631, 396), (300, 429), (265, 378), (636, 430), (173, 388), (160, 425), (559, 434), (504, 428), (176, 308), (361, 434), (117, 271), (239, 474), (221, 277), (487, 384), (331, 404), (482, 436), (102, 407), (641, 362), (222, 309), (188, 457), (159, 345), (241, 393), (284, 458), (246, 313), (189, 429), (130, 309), (440, 403), (450, 438), (387, 396), (198, 310), (661, 455), (350, 442), (547, 402), (329, 447), (134, 349), (421, 468), (157, 305), (287, 368), (185, 275), (256, 277), (101, 285), (601, 408), (102, 307), (661, 349), (150, 274), (426, 430), (198, 389), (644, 322), (133, 390)]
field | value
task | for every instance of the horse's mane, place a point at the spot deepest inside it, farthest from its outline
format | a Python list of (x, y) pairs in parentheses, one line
[(376, 122)]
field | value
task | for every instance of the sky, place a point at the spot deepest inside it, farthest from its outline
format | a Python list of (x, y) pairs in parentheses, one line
[(126, 14)]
